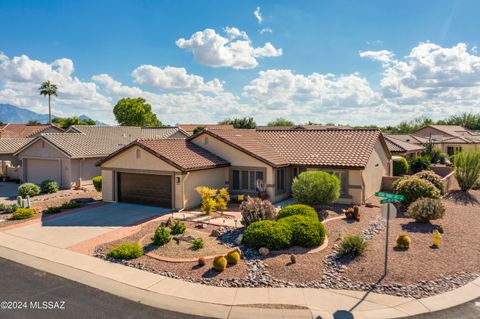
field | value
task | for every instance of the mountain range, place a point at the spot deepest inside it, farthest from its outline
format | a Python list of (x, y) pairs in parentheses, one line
[(14, 114)]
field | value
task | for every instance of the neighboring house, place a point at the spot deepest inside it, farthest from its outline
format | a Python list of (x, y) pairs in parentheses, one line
[(69, 158), (450, 138), (26, 131), (189, 128), (9, 146), (238, 158), (400, 146), (301, 127)]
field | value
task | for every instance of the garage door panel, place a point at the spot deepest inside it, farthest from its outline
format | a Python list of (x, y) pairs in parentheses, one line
[(145, 189), (39, 170)]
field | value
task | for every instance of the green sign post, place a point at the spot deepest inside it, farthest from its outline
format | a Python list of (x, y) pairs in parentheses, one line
[(388, 199)]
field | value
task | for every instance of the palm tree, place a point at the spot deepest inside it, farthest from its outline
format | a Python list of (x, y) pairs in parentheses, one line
[(49, 89)]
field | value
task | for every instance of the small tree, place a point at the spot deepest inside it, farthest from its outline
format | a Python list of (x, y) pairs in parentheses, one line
[(135, 112), (316, 188), (48, 89), (467, 169), (207, 195), (400, 166), (222, 199), (245, 122), (280, 122), (419, 163)]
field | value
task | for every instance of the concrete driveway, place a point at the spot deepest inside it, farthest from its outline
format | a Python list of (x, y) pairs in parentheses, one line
[(68, 230), (8, 191)]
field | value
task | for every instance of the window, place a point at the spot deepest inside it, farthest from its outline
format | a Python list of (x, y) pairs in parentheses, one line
[(297, 171), (280, 180), (451, 150), (343, 177), (246, 179)]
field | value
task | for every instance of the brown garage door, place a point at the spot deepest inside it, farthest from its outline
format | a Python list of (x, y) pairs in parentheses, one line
[(145, 189)]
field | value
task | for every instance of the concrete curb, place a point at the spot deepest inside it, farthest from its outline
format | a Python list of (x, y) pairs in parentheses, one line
[(180, 296)]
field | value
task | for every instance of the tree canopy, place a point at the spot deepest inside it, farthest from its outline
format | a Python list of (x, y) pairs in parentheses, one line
[(48, 89), (66, 122), (33, 122), (245, 122), (135, 112), (280, 121)]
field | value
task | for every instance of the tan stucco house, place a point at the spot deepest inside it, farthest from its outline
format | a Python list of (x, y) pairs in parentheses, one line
[(166, 172), (399, 146), (450, 138), (69, 158)]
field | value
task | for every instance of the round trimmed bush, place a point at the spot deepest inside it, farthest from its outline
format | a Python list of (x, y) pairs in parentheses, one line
[(126, 251), (316, 188), (426, 209), (28, 189), (22, 213), (220, 263), (306, 231), (49, 186), (432, 178), (233, 257), (419, 163), (268, 233), (97, 183), (400, 166), (414, 188), (352, 245), (297, 209), (161, 236)]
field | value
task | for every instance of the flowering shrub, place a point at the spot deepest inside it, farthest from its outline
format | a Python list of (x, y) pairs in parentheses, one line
[(207, 202), (414, 188), (432, 178), (426, 209), (255, 209)]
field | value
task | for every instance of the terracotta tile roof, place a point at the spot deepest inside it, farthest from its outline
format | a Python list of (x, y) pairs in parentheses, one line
[(24, 130), (301, 127), (127, 131), (11, 145), (179, 152), (323, 148), (399, 146), (327, 148), (190, 127), (452, 134), (409, 138)]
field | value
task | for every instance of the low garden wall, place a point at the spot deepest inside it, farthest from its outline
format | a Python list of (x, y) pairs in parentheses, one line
[(442, 170), (387, 182)]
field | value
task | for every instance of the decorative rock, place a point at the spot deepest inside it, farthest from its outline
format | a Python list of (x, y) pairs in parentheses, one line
[(264, 251), (216, 232)]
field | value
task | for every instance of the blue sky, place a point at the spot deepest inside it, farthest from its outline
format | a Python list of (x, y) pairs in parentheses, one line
[(327, 61)]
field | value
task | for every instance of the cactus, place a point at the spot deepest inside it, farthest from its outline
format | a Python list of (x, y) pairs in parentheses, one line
[(403, 241), (293, 259), (220, 263), (233, 257), (19, 201), (202, 261), (356, 212)]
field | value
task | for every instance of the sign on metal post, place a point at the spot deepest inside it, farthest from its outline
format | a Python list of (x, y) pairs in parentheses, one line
[(385, 211), (396, 197), (387, 200)]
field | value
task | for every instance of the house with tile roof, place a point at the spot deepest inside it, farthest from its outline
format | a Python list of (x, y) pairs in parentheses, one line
[(449, 138), (70, 157), (404, 146), (10, 130), (166, 172)]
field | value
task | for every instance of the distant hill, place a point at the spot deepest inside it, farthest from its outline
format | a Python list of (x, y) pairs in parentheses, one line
[(14, 114)]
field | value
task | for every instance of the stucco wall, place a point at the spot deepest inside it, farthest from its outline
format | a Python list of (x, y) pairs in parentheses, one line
[(237, 159), (377, 166), (146, 161), (212, 178), (42, 149), (107, 186), (84, 169), (429, 131), (14, 160)]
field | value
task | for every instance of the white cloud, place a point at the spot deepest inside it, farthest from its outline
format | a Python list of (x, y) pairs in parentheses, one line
[(383, 56), (172, 78), (266, 30), (237, 51), (258, 15)]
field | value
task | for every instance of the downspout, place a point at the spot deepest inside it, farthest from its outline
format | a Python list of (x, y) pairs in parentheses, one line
[(363, 189), (183, 192)]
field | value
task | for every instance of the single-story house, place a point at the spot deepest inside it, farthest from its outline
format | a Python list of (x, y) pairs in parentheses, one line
[(398, 146), (450, 138), (69, 158), (9, 146), (10, 130), (238, 158), (189, 128)]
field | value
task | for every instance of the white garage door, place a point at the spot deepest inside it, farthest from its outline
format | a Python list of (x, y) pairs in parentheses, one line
[(39, 170)]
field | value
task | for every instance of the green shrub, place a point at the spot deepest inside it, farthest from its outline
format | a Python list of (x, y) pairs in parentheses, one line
[(97, 183), (414, 188), (8, 208), (268, 233), (52, 210), (23, 213), (233, 257), (220, 263), (426, 209), (432, 178), (256, 209), (28, 189), (197, 244), (316, 188), (352, 245), (306, 231), (49, 186), (467, 169), (177, 228), (161, 236), (419, 163), (297, 209), (71, 205), (126, 251), (400, 166)]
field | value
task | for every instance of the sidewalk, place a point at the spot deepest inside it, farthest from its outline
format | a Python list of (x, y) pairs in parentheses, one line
[(217, 302)]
